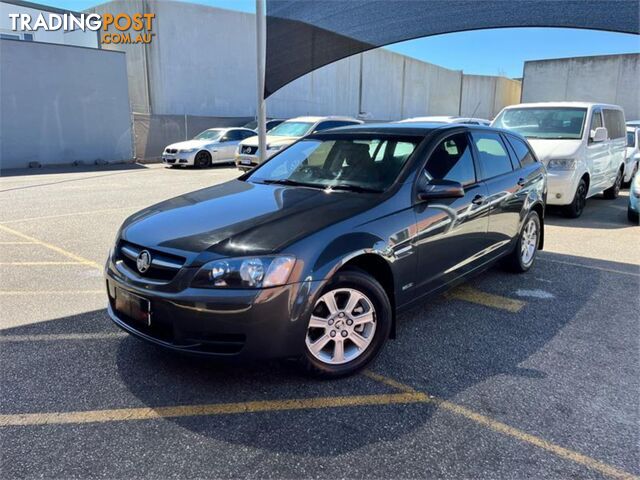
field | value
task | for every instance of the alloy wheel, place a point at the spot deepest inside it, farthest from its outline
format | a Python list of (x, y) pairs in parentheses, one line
[(529, 242), (618, 183), (342, 326), (581, 199)]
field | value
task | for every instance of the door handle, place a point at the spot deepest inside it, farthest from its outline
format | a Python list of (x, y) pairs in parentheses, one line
[(521, 182), (478, 200)]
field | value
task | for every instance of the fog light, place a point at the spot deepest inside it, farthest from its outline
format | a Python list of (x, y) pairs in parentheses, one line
[(558, 195)]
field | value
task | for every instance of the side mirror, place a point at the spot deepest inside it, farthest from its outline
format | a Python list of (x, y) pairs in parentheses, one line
[(600, 134), (440, 189)]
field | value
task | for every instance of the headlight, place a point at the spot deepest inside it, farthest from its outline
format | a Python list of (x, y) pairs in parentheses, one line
[(187, 150), (248, 272), (562, 164), (274, 147)]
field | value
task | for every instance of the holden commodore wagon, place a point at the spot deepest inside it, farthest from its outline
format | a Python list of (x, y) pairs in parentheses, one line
[(312, 254)]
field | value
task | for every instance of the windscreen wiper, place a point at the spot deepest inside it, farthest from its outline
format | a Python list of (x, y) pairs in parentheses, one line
[(353, 188), (293, 183)]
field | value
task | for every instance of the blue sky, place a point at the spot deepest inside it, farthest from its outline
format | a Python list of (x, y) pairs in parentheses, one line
[(484, 52)]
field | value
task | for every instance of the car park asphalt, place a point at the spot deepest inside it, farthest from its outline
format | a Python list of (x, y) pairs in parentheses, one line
[(509, 376)]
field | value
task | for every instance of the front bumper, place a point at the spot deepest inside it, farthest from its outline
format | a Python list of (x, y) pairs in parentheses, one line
[(178, 158), (562, 186), (246, 162), (224, 323)]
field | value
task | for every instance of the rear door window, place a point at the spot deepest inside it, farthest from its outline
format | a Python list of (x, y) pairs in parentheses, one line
[(614, 122), (492, 155)]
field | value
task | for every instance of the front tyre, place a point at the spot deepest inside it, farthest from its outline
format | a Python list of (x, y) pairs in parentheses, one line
[(612, 192), (576, 207), (203, 159), (349, 325), (524, 254)]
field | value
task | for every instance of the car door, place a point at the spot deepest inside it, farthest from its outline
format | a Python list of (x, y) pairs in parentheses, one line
[(226, 149), (451, 233), (614, 122), (505, 189), (598, 155)]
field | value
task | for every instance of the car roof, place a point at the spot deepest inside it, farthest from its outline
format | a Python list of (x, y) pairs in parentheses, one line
[(442, 119), (319, 119), (563, 104), (410, 128)]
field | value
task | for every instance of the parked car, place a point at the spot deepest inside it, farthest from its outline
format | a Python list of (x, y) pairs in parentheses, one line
[(215, 145), (634, 199), (582, 145), (449, 119), (633, 123), (284, 135), (312, 253), (632, 154), (253, 124)]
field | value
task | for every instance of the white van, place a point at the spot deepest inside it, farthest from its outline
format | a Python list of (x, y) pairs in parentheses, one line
[(582, 145)]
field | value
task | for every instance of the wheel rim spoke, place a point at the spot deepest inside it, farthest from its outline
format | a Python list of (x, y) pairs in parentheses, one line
[(362, 319), (359, 340), (319, 344), (318, 322), (354, 298), (330, 302), (338, 350)]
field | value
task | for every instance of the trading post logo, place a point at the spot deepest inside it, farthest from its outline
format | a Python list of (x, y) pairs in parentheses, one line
[(114, 28)]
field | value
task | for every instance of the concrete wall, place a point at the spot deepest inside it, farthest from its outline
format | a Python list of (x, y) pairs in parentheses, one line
[(211, 72), (60, 104), (608, 79), (484, 96)]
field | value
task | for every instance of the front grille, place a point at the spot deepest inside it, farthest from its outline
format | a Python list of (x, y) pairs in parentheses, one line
[(164, 266), (171, 150), (249, 150)]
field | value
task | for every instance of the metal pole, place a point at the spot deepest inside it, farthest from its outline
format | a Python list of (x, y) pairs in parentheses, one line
[(261, 54)]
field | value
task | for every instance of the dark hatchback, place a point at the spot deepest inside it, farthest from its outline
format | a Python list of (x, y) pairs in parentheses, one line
[(313, 253)]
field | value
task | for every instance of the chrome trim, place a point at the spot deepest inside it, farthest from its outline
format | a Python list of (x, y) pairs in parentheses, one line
[(156, 262)]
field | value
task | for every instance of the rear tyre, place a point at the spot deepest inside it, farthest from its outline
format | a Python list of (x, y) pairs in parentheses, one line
[(203, 159), (522, 257), (349, 325), (576, 207), (612, 192)]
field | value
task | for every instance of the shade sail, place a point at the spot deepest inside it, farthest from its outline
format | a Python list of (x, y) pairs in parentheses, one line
[(303, 35)]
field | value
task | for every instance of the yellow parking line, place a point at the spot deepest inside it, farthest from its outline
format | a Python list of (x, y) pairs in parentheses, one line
[(124, 414), (505, 429), (469, 294), (55, 248), (37, 264), (17, 243), (60, 337), (9, 293)]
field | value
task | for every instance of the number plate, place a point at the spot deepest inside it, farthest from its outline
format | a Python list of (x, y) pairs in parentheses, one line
[(133, 306)]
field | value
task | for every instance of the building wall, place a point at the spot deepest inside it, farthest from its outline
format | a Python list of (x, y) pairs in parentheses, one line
[(61, 104), (607, 79), (211, 72), (81, 38)]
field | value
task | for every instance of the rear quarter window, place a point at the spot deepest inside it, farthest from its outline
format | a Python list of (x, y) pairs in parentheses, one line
[(522, 151)]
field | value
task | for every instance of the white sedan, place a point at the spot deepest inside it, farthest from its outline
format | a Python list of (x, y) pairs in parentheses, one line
[(215, 145)]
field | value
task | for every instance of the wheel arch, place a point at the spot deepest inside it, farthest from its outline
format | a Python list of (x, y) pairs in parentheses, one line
[(376, 265)]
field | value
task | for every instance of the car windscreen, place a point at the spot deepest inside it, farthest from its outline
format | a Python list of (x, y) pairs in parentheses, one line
[(631, 139), (208, 135), (547, 122), (251, 125), (357, 164), (291, 129)]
